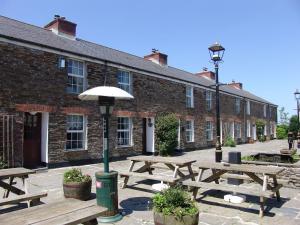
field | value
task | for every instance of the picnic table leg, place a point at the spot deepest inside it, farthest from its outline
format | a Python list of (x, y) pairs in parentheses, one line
[(277, 192), (175, 172), (6, 193), (199, 177), (126, 178), (191, 172), (214, 172), (261, 207), (26, 189), (265, 182), (149, 168)]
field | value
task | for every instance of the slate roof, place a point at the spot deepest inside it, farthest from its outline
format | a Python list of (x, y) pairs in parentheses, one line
[(20, 31)]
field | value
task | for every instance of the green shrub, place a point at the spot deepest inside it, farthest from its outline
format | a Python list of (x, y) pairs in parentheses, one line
[(260, 128), (166, 131), (248, 158), (174, 201), (282, 131), (262, 138), (3, 164), (229, 142), (75, 175), (293, 127)]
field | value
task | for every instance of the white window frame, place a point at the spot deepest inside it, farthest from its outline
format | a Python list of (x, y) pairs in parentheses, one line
[(189, 132), (237, 105), (209, 131), (122, 84), (77, 76), (83, 131), (189, 96), (248, 107), (265, 110), (129, 130), (208, 100)]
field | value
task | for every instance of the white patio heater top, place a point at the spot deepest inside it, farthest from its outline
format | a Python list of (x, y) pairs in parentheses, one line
[(105, 91)]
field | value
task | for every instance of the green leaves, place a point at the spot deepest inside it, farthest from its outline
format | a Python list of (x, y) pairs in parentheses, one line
[(75, 175), (174, 201), (166, 129), (229, 142)]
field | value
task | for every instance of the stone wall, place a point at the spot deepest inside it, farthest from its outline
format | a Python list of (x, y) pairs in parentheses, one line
[(32, 81)]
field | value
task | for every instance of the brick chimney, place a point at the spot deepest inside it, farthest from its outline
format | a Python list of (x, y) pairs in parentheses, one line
[(237, 85), (157, 57), (61, 26), (206, 74)]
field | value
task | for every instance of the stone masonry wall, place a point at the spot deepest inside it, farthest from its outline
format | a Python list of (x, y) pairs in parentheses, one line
[(31, 79)]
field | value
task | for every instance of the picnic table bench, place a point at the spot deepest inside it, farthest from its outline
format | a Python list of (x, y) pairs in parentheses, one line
[(65, 212), (21, 194), (172, 163), (219, 169)]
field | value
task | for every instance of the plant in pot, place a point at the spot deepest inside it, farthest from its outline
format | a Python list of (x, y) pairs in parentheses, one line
[(174, 206), (77, 185)]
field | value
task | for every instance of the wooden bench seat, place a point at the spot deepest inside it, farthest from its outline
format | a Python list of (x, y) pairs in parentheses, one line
[(230, 188), (86, 216), (167, 179), (65, 212), (247, 178), (32, 197)]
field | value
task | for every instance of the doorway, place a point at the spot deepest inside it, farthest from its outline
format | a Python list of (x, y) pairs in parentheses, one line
[(148, 137), (32, 140)]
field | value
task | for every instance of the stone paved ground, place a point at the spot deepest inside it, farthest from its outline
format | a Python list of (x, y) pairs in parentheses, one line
[(134, 201)]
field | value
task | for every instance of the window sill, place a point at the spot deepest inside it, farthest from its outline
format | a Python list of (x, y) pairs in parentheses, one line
[(75, 150), (190, 142), (124, 146)]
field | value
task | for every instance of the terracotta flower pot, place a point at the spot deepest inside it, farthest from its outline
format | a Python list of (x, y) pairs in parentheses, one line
[(78, 190), (160, 219)]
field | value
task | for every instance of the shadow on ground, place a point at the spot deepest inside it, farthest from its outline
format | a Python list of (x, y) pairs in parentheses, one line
[(219, 196), (135, 204)]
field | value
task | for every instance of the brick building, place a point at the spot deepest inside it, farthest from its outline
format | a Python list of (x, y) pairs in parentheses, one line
[(42, 121)]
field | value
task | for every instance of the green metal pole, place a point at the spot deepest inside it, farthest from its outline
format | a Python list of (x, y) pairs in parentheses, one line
[(106, 141)]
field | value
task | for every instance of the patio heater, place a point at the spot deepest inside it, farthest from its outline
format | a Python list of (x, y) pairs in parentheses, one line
[(106, 180), (216, 52), (297, 97)]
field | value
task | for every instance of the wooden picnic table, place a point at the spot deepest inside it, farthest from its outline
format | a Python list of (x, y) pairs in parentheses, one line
[(65, 212), (268, 187), (22, 193), (172, 163), (11, 174)]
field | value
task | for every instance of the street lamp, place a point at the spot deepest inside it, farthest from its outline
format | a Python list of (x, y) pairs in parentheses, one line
[(297, 97), (106, 181), (216, 52)]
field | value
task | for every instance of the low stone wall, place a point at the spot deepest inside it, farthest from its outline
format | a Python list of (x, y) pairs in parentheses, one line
[(290, 177)]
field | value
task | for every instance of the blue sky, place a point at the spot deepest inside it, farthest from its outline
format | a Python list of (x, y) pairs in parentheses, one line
[(261, 37)]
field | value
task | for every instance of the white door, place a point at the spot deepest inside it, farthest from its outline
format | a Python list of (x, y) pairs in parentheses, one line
[(254, 132), (150, 135)]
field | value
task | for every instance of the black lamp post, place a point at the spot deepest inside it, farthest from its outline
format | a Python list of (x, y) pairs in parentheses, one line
[(106, 180), (297, 97), (216, 52)]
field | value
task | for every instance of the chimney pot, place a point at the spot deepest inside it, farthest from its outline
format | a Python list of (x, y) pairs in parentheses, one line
[(157, 57), (62, 27), (206, 74), (236, 85)]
